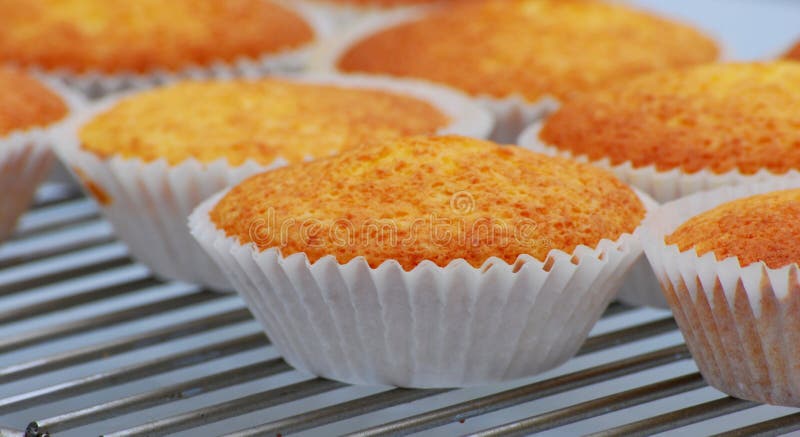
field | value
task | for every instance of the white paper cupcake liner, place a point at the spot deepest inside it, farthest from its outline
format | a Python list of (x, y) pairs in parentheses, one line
[(741, 323), (25, 161), (429, 327), (640, 287), (663, 186), (148, 202), (512, 114), (96, 84)]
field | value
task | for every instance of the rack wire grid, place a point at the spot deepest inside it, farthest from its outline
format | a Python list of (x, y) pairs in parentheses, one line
[(92, 344)]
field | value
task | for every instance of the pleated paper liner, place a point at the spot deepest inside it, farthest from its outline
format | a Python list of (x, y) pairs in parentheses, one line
[(429, 327), (741, 323), (148, 202), (26, 159), (512, 114)]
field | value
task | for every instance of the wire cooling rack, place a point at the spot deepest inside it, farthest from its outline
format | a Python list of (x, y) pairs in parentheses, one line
[(92, 344)]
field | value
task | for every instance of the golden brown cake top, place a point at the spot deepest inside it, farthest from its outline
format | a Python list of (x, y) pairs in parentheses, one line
[(794, 52), (143, 35), (758, 228), (534, 48), (259, 120), (715, 117), (430, 198), (26, 103)]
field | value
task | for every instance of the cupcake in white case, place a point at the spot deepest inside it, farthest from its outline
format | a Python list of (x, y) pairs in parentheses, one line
[(106, 45), (29, 108), (517, 57), (150, 158), (728, 262), (425, 261), (676, 132)]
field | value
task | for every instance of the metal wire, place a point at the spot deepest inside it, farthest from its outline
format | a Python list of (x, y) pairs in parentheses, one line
[(105, 350), (498, 401), (769, 428), (592, 408), (235, 407), (103, 321), (679, 418), (131, 373), (185, 390)]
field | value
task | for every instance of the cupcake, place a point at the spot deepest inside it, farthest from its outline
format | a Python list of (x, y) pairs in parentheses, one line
[(28, 109), (519, 57), (794, 52), (728, 262), (425, 261), (672, 133), (149, 158), (676, 132), (101, 45)]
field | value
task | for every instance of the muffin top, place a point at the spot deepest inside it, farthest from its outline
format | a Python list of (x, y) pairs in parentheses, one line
[(716, 117), (429, 198), (26, 103), (758, 228), (142, 35), (794, 52), (260, 120), (534, 48)]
